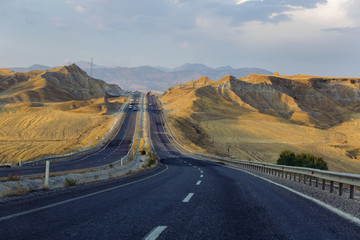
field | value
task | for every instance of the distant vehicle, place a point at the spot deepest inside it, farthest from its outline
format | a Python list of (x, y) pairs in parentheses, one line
[(135, 109), (149, 104)]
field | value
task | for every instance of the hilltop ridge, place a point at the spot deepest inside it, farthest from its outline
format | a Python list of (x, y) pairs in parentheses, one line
[(54, 85)]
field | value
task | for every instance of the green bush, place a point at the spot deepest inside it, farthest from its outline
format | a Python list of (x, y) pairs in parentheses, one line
[(70, 182), (301, 160)]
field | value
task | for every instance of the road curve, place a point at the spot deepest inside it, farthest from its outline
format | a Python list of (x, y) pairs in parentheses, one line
[(116, 149), (182, 198)]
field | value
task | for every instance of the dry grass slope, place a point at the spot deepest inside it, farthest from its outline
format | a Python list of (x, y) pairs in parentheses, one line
[(30, 131), (258, 116)]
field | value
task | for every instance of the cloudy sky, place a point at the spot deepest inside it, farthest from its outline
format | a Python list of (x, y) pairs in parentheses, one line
[(315, 37)]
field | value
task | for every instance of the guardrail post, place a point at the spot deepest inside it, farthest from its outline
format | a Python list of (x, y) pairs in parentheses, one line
[(299, 177), (47, 170), (316, 182), (323, 184), (294, 176), (331, 186), (340, 188), (305, 179), (282, 174), (310, 180), (351, 191)]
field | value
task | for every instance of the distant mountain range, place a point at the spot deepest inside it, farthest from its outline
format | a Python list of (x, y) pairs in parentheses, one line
[(155, 78)]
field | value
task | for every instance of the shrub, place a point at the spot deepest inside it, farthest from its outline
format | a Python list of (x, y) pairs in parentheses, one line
[(142, 152), (301, 160), (70, 182)]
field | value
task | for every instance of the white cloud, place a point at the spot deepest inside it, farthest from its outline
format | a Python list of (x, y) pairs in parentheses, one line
[(239, 2), (80, 9)]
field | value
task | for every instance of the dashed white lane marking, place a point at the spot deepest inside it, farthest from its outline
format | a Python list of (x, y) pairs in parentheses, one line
[(201, 176), (198, 182), (187, 199), (201, 171), (154, 234)]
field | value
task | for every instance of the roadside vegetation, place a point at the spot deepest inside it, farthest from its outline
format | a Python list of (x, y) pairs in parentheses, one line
[(307, 160), (69, 182)]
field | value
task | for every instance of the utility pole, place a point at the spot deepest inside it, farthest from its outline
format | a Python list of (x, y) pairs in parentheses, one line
[(91, 67)]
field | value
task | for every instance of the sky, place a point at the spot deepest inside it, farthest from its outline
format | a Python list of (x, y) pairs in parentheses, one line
[(315, 37)]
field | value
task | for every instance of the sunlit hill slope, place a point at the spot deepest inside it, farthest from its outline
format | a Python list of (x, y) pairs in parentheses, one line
[(54, 112), (257, 116), (55, 85)]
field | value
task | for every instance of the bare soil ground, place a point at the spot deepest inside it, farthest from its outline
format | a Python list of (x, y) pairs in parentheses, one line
[(30, 131)]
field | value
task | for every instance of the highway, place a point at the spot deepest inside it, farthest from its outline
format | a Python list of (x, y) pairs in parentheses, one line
[(116, 149), (181, 198)]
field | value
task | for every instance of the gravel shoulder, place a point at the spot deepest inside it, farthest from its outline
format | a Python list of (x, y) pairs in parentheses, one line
[(343, 203), (25, 185)]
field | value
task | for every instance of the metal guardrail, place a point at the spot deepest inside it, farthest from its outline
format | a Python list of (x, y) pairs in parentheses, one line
[(307, 175), (57, 158)]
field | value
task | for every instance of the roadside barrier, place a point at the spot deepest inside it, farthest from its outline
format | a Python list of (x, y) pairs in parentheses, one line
[(308, 176)]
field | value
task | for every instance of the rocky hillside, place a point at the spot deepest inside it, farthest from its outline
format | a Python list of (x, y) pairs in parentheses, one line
[(260, 115), (315, 101), (55, 85)]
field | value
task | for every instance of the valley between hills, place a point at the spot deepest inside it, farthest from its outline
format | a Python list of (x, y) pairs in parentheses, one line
[(255, 117)]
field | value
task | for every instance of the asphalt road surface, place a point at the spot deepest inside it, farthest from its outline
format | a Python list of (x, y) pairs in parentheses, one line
[(182, 198), (116, 149)]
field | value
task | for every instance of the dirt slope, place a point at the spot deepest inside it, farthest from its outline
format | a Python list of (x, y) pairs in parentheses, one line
[(30, 131), (257, 116)]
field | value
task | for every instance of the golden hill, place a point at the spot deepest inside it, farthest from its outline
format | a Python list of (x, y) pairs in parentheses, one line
[(53, 112), (55, 85), (258, 116), (30, 131)]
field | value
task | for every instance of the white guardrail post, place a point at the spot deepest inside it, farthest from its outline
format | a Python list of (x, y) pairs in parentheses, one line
[(47, 170)]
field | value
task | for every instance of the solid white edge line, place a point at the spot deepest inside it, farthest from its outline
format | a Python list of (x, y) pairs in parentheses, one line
[(198, 182), (340, 213), (154, 234), (188, 197), (326, 206), (77, 198)]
